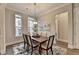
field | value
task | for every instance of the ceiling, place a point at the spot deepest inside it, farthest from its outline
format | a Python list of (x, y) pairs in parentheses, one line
[(31, 10)]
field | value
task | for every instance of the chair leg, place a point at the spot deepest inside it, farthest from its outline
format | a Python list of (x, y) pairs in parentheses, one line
[(47, 52), (32, 51), (40, 50), (51, 50), (24, 45), (27, 47)]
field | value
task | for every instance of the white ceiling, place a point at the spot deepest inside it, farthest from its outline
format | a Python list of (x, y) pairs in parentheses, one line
[(40, 7)]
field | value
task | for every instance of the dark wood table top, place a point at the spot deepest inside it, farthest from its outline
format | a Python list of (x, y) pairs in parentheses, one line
[(41, 39)]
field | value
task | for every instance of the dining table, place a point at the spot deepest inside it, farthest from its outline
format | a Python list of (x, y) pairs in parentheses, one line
[(40, 40)]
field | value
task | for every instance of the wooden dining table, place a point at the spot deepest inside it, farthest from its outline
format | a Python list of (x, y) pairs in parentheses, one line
[(40, 40)]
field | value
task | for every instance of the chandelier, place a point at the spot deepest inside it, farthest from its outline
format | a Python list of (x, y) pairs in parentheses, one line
[(35, 13)]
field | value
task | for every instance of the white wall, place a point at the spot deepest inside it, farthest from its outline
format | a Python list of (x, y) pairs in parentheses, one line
[(44, 20), (2, 29), (10, 26), (76, 27), (7, 28), (51, 17)]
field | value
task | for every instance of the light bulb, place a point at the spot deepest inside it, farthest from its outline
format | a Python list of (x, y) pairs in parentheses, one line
[(35, 22)]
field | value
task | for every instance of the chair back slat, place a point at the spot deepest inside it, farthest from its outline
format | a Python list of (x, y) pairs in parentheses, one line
[(50, 41), (24, 37), (29, 40)]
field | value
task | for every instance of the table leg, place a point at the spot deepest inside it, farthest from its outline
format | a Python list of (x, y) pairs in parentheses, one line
[(40, 49)]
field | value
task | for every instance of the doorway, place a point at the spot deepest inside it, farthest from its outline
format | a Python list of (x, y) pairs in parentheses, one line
[(61, 22)]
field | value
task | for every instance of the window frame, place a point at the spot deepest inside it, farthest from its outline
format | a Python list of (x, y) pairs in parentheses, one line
[(19, 17), (29, 27)]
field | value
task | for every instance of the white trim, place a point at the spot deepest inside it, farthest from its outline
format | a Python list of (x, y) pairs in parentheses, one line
[(51, 10), (4, 47), (3, 51), (70, 46), (76, 47), (63, 40), (16, 10), (41, 13), (13, 42)]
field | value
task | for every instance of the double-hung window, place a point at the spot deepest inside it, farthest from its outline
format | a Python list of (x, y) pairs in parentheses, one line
[(30, 25), (18, 25)]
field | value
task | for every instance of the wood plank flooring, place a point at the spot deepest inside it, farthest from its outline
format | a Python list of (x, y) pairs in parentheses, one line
[(64, 45), (69, 51)]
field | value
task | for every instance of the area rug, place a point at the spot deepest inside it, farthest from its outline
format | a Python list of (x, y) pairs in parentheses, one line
[(19, 50)]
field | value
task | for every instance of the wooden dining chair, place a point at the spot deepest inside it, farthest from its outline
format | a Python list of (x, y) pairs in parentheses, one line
[(25, 40), (48, 44), (32, 44)]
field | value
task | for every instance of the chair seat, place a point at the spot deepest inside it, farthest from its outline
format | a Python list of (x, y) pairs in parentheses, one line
[(35, 44), (48, 45), (44, 45)]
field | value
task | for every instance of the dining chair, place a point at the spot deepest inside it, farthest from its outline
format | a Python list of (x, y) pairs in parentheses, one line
[(32, 44), (25, 40), (48, 44)]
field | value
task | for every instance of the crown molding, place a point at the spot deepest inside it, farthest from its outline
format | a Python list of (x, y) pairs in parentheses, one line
[(3, 4), (20, 11), (14, 9), (52, 9), (41, 13)]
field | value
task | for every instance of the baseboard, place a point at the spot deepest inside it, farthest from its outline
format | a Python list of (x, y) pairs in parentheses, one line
[(62, 40), (11, 43), (70, 46), (76, 47), (3, 52)]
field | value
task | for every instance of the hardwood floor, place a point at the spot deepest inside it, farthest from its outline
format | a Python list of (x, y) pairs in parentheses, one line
[(73, 51), (69, 51), (61, 44)]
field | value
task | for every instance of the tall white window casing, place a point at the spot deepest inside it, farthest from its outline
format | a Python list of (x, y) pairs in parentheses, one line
[(18, 25)]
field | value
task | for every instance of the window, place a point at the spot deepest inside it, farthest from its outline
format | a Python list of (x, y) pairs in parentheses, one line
[(18, 25), (30, 25)]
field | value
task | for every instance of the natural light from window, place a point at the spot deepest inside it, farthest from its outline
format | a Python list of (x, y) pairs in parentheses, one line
[(18, 25), (30, 25)]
